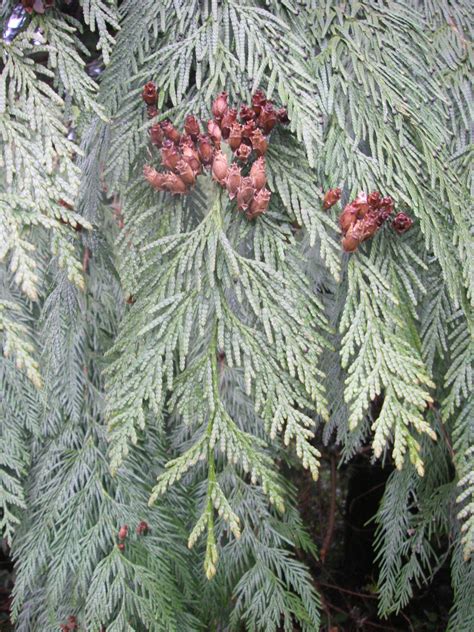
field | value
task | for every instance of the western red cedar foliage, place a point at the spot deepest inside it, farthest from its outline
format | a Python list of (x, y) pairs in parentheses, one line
[(228, 227)]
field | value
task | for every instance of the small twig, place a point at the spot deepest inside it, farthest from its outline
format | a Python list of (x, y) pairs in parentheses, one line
[(447, 440), (346, 590), (326, 608), (85, 258), (332, 512), (412, 629), (369, 491)]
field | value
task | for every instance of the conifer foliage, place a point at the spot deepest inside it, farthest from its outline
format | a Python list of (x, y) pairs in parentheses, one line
[(229, 227)]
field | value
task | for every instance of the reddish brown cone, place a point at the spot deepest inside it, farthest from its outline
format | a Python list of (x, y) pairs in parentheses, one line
[(258, 101), (401, 223), (259, 204), (233, 180), (268, 118), (220, 106), (228, 121), (259, 142), (174, 184), (186, 173), (361, 204), (214, 132), (248, 129), (331, 197), (243, 152), (170, 131), (123, 532), (257, 174), (191, 126), (348, 217), (368, 226), (156, 135), (220, 167), (246, 113), (245, 194), (154, 177), (170, 155), (142, 528), (150, 93), (235, 136), (191, 156), (205, 149), (351, 239)]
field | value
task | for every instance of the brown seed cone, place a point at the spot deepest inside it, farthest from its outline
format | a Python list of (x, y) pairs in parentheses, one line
[(331, 197), (205, 149), (248, 129), (220, 106), (123, 532), (368, 226), (259, 204), (170, 131), (401, 223), (191, 126), (235, 136), (227, 122), (170, 155), (174, 184), (243, 152), (374, 199), (191, 156), (186, 173), (245, 194), (268, 118), (220, 167), (257, 174), (350, 241), (348, 217), (151, 111), (150, 93), (259, 143), (156, 135), (361, 204), (142, 528), (246, 113), (154, 177), (258, 101), (385, 209), (214, 132), (233, 180)]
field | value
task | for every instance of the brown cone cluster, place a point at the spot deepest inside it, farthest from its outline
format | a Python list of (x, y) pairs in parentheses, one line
[(187, 154), (142, 528), (362, 218), (37, 6), (70, 625), (401, 223), (122, 535)]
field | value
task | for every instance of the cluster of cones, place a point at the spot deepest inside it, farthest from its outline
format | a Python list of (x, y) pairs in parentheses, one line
[(142, 529), (363, 217), (187, 154), (70, 625)]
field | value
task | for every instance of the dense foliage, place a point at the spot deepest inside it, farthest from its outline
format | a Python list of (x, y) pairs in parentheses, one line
[(167, 359)]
